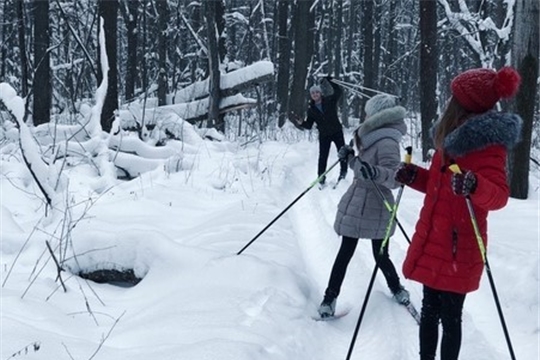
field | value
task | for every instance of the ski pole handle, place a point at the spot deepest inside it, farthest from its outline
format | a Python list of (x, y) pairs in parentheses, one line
[(455, 168), (393, 209), (408, 155)]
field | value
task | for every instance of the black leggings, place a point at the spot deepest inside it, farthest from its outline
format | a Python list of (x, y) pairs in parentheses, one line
[(345, 253), (446, 307), (324, 151)]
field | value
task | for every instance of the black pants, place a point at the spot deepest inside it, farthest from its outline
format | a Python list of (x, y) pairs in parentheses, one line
[(345, 253), (324, 151), (446, 307)]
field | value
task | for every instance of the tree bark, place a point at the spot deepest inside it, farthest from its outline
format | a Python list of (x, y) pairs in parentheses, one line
[(213, 66), (163, 21), (42, 77), (22, 47), (108, 10), (303, 22), (428, 71), (338, 65), (367, 33), (132, 43), (284, 49), (525, 52)]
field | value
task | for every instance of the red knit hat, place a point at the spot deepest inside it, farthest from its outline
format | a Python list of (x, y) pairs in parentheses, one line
[(478, 90)]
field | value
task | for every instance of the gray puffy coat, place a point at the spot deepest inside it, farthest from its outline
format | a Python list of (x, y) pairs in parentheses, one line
[(361, 212)]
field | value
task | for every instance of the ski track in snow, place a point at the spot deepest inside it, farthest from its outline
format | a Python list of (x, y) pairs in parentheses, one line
[(388, 331)]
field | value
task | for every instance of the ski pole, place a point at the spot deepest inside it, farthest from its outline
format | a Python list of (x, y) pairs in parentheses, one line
[(393, 211), (362, 311), (315, 182), (352, 86), (455, 169), (408, 158)]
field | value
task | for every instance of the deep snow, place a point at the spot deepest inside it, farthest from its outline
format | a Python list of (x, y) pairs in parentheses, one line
[(198, 300)]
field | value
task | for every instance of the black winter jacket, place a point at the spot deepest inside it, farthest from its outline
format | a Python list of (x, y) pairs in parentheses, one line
[(327, 121)]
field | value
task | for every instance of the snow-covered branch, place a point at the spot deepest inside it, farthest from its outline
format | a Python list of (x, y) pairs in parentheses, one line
[(46, 176)]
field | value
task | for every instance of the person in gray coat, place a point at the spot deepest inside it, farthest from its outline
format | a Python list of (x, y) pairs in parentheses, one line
[(361, 212)]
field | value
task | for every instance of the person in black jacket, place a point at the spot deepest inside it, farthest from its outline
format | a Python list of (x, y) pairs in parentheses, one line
[(323, 112)]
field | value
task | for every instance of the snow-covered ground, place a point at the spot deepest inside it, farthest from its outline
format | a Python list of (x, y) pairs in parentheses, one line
[(198, 300)]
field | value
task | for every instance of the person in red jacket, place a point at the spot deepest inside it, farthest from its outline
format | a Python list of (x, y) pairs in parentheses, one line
[(444, 254)]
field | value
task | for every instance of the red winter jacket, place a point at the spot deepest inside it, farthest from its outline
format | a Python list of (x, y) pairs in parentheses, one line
[(444, 253)]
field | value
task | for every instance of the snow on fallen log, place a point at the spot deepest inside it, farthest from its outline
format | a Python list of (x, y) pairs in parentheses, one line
[(192, 111), (231, 83)]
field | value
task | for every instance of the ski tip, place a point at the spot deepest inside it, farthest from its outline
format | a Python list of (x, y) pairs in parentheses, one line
[(336, 316)]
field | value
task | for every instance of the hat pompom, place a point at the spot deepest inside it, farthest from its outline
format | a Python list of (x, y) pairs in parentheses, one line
[(507, 82)]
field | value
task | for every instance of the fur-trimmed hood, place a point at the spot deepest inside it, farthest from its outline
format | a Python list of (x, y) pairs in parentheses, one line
[(391, 117), (481, 131), (387, 123)]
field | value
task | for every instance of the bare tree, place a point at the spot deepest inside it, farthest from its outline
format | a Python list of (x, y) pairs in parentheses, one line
[(303, 23), (131, 20), (163, 20), (213, 65), (367, 33), (428, 70), (525, 58), (42, 75), (474, 24), (22, 46), (338, 63), (108, 10), (284, 49)]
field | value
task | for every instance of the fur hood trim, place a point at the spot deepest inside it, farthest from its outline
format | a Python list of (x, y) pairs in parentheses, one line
[(391, 117), (481, 131)]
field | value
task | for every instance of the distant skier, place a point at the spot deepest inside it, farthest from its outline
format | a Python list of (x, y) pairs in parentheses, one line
[(361, 212), (444, 255), (323, 112)]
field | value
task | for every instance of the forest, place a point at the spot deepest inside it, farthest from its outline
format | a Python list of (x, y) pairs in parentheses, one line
[(241, 67)]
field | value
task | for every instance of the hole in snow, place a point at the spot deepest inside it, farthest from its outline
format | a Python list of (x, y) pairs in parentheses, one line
[(122, 278)]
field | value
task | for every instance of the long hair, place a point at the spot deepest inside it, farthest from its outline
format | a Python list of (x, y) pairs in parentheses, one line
[(454, 115)]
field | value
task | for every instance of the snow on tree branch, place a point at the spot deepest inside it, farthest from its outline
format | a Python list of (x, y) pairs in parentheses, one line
[(47, 178), (471, 26)]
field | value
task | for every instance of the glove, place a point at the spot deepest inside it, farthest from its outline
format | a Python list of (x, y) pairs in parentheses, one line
[(406, 173), (344, 152), (463, 184), (328, 77), (368, 171)]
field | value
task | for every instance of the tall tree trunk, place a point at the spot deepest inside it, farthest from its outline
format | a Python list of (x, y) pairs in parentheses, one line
[(377, 46), (525, 58), (108, 10), (338, 64), (284, 49), (388, 82), (213, 65), (22, 47), (351, 64), (42, 76), (304, 23), (428, 70), (132, 43), (219, 19), (5, 22), (163, 22), (367, 32)]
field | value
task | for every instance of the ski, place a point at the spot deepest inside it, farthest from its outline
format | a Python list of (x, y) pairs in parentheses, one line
[(336, 184), (337, 315), (412, 310)]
